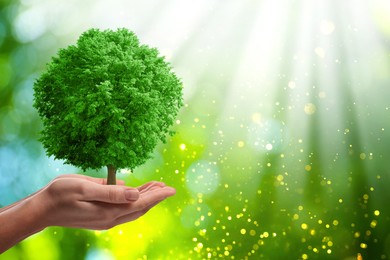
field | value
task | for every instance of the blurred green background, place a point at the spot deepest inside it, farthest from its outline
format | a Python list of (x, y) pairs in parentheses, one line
[(281, 150)]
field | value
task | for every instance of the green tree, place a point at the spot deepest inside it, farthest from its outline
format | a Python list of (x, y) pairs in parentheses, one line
[(106, 101)]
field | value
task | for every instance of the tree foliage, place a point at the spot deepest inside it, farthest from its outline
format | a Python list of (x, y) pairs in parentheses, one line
[(108, 100)]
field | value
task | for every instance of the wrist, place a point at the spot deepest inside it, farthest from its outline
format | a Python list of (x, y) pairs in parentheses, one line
[(19, 221), (33, 208), (42, 207)]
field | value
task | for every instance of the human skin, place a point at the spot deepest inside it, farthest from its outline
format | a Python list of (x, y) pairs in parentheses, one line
[(78, 201)]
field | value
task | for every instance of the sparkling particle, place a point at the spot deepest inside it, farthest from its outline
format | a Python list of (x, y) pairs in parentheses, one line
[(256, 117), (240, 144), (292, 84), (320, 52), (377, 213), (327, 27), (243, 231), (310, 108), (267, 135), (203, 177), (373, 224), (304, 226), (182, 147)]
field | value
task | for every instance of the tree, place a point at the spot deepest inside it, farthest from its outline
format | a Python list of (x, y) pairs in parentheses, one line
[(106, 101)]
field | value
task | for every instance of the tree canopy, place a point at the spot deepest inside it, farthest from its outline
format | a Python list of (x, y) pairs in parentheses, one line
[(107, 100)]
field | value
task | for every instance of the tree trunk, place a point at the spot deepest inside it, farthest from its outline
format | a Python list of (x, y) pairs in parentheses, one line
[(111, 177)]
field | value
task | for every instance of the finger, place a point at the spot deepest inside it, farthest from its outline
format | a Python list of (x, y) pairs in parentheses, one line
[(104, 181), (110, 193), (129, 212), (148, 185), (150, 189), (134, 215), (152, 196), (119, 182)]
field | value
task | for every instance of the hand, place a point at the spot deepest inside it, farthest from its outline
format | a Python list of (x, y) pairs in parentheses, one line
[(83, 202), (78, 201)]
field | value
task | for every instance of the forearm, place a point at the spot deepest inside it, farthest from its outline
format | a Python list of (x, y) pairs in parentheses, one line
[(16, 203), (77, 202), (19, 221)]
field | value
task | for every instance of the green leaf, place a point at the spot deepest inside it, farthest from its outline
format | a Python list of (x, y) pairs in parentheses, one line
[(106, 100)]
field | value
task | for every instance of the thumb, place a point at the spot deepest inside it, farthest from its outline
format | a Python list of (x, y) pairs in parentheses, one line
[(111, 194)]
